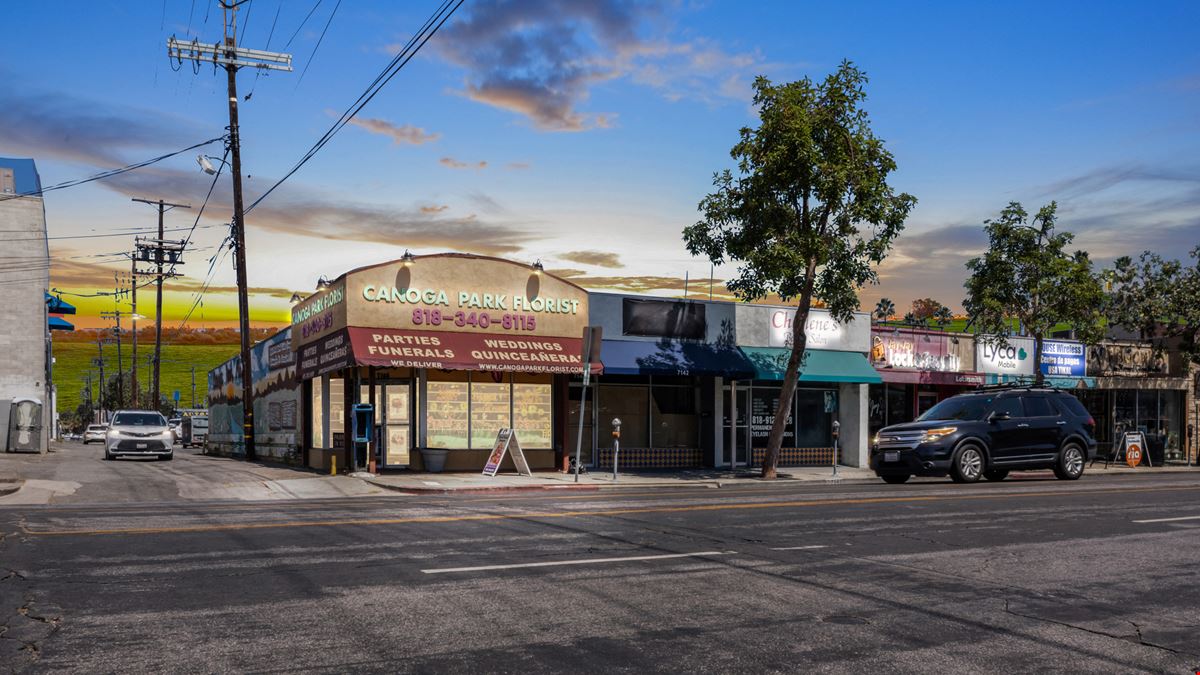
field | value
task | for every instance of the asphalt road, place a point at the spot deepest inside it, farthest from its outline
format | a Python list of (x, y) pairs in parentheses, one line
[(1021, 576)]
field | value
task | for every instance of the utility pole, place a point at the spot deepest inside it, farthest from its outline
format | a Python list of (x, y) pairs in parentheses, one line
[(133, 365), (193, 386), (161, 247), (232, 57)]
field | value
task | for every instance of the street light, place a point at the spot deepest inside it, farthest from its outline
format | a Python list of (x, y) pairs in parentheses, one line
[(296, 299), (207, 166)]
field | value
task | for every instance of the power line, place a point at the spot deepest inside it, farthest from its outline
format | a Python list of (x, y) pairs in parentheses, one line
[(301, 26), (111, 172), (318, 45), (414, 45)]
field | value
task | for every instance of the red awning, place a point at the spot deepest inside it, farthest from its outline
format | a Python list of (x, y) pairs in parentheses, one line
[(441, 350), (905, 376)]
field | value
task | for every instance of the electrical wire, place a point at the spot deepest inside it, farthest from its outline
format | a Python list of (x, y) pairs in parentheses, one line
[(320, 39), (258, 71), (213, 263), (414, 45), (301, 26), (111, 172)]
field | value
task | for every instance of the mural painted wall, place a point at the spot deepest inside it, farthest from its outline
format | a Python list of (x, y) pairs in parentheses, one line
[(277, 405)]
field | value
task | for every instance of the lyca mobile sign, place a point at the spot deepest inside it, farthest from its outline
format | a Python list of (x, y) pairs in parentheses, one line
[(1059, 358)]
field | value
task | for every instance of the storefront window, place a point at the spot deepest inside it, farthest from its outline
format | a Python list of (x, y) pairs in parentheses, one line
[(814, 426), (532, 414), (675, 416), (1169, 404), (447, 414), (318, 413), (899, 403), (490, 411), (764, 401), (630, 404), (877, 407)]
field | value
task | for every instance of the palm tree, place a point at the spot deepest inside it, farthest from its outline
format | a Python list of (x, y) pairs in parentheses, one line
[(884, 310), (943, 316)]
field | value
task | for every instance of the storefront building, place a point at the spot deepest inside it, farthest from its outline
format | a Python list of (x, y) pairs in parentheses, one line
[(448, 349), (919, 368)]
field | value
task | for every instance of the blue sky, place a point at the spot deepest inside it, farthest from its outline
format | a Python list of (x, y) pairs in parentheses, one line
[(599, 125)]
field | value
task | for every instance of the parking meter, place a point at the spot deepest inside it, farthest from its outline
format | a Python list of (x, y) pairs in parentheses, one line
[(616, 424), (837, 428)]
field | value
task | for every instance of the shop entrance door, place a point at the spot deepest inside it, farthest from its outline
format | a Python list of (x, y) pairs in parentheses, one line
[(735, 430), (393, 422), (925, 401)]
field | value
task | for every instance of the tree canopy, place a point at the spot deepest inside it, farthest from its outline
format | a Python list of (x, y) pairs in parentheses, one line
[(809, 213), (1027, 274)]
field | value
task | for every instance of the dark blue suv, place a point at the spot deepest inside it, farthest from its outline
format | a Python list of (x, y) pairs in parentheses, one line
[(986, 434)]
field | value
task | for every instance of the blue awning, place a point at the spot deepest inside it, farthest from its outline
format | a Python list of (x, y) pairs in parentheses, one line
[(770, 363), (56, 305), (58, 323), (670, 357)]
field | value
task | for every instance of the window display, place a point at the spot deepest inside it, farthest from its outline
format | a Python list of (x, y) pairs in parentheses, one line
[(630, 404), (675, 416), (337, 409), (490, 411), (447, 414), (532, 414)]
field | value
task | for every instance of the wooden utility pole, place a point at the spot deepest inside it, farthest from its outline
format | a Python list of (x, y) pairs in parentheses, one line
[(133, 365), (162, 251), (232, 57)]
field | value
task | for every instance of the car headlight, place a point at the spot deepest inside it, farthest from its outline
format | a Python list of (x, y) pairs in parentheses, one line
[(875, 439), (936, 434), (113, 433)]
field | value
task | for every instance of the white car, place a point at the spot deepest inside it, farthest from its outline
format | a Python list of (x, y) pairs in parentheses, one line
[(94, 432), (140, 433)]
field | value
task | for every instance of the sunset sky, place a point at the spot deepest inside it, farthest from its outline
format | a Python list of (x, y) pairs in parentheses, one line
[(584, 132)]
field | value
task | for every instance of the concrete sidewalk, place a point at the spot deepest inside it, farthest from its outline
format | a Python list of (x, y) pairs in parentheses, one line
[(444, 483)]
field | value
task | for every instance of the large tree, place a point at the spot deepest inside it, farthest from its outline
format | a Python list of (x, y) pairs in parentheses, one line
[(1028, 275), (1157, 298), (809, 213)]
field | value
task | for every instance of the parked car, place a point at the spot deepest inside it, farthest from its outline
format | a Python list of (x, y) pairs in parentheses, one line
[(986, 434), (141, 433), (195, 430), (94, 432), (176, 424)]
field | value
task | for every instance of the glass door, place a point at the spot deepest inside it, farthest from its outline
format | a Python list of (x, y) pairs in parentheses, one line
[(397, 424), (735, 429)]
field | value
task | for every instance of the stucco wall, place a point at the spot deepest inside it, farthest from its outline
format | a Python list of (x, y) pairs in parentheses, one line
[(24, 278)]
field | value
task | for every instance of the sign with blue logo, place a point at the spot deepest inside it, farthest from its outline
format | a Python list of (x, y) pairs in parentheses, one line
[(177, 396), (1063, 359)]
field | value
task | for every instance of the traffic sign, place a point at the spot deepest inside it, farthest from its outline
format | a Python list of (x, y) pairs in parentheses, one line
[(176, 396)]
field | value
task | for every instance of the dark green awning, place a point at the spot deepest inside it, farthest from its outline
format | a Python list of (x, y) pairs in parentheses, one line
[(770, 363)]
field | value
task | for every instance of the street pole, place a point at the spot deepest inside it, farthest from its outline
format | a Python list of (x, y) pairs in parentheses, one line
[(231, 57), (133, 381), (193, 386)]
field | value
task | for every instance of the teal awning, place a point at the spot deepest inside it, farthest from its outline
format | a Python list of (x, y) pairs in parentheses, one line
[(770, 363)]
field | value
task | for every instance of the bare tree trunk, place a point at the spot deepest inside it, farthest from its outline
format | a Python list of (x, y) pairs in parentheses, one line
[(1038, 377), (799, 342)]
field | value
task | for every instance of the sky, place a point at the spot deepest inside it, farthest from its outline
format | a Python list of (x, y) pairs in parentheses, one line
[(583, 133)]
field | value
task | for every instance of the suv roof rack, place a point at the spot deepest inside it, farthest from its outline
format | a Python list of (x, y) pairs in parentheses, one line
[(1015, 385)]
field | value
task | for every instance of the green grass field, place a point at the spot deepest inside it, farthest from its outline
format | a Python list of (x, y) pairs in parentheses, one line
[(73, 360)]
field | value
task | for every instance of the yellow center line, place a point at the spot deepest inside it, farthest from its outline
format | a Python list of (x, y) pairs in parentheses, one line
[(578, 514)]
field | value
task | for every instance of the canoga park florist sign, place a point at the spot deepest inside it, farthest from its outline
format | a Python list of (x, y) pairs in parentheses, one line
[(1060, 358), (821, 331)]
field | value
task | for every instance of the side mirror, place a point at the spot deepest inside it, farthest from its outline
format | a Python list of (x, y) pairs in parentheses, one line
[(999, 416)]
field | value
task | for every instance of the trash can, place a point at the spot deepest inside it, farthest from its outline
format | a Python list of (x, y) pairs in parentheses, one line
[(25, 425)]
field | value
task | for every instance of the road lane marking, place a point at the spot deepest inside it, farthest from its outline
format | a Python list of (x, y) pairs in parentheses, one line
[(798, 548), (596, 513), (1167, 520), (586, 561)]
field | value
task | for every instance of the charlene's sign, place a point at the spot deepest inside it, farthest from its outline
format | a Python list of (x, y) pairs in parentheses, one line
[(446, 293), (821, 331)]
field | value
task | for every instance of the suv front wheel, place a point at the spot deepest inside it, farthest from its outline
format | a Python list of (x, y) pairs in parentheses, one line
[(968, 464), (1070, 462)]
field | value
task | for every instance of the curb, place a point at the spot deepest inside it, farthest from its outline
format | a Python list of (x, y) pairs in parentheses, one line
[(481, 490), (9, 487), (593, 487)]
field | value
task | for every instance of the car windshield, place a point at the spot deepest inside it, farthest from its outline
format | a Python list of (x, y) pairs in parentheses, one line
[(95, 427), (137, 419), (958, 408)]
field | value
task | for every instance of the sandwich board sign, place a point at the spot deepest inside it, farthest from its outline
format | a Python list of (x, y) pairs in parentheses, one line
[(1134, 444), (506, 442)]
